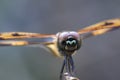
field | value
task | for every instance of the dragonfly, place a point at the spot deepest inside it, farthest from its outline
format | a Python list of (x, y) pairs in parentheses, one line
[(62, 44)]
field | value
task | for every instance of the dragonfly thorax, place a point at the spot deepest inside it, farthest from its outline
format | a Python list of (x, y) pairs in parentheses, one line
[(68, 42)]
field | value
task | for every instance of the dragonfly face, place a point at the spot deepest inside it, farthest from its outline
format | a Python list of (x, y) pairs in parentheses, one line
[(68, 42), (64, 43)]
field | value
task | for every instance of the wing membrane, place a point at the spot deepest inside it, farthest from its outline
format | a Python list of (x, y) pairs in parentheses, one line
[(23, 35), (14, 39), (50, 46), (100, 28), (21, 43)]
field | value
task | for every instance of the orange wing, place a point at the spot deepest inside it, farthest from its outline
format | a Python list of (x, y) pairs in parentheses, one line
[(17, 43), (43, 40), (23, 35), (100, 28), (50, 46)]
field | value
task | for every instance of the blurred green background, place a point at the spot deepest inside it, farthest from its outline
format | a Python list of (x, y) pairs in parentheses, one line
[(98, 59)]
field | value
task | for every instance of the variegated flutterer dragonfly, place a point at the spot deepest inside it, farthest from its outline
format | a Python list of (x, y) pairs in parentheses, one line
[(63, 44)]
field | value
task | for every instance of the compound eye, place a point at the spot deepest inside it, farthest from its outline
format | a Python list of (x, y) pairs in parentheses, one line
[(63, 35)]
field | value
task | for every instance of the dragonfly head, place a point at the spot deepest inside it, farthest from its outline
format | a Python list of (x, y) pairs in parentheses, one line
[(69, 41)]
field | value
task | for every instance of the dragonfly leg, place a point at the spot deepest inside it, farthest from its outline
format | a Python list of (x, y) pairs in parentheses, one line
[(72, 63), (62, 69), (68, 64)]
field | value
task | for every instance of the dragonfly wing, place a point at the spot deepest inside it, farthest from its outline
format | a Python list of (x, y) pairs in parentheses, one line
[(100, 28), (46, 40), (21, 43), (49, 46), (52, 47), (23, 35)]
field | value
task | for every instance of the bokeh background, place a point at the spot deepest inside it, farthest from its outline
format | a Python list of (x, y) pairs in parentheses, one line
[(98, 59)]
